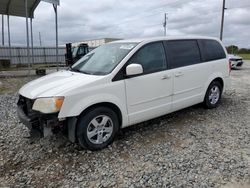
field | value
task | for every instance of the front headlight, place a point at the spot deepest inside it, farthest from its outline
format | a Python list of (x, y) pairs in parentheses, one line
[(48, 105)]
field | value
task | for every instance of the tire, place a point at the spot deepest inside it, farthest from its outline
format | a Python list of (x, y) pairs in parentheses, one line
[(213, 95), (97, 128)]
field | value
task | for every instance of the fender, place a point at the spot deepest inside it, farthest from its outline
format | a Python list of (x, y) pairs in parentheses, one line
[(210, 79), (71, 110)]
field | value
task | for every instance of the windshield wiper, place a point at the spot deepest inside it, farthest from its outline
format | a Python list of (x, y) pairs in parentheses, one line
[(77, 70), (74, 70)]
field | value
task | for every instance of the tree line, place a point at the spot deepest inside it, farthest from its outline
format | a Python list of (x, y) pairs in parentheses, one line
[(236, 50)]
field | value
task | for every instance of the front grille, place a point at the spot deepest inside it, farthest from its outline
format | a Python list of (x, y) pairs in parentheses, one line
[(235, 59), (26, 104)]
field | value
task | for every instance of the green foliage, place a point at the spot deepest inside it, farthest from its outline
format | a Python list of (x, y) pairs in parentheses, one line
[(243, 52), (232, 49)]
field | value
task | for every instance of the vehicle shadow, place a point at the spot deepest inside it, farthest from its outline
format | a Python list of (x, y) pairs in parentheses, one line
[(159, 130), (160, 126), (148, 133)]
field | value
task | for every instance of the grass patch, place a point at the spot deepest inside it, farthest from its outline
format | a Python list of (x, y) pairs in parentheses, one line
[(245, 56)]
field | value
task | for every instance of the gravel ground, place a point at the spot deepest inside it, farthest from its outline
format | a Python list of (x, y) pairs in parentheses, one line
[(193, 147), (10, 85)]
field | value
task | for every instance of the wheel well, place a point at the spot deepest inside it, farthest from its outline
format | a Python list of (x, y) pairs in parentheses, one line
[(108, 105), (220, 81)]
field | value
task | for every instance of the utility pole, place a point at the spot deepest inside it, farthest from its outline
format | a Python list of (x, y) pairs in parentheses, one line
[(222, 20), (165, 24)]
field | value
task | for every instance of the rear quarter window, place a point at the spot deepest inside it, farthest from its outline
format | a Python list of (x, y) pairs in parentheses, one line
[(211, 50)]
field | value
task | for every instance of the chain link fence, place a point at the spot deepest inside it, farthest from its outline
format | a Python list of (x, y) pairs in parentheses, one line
[(17, 56)]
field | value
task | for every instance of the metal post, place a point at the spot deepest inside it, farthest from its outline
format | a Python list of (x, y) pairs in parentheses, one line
[(2, 29), (27, 34), (44, 55), (40, 39), (165, 23), (55, 9), (8, 23), (19, 55), (222, 20), (32, 46)]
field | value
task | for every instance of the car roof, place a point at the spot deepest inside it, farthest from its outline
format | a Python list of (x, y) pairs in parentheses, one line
[(151, 39)]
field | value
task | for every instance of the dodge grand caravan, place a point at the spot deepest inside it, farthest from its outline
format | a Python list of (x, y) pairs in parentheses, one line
[(123, 83)]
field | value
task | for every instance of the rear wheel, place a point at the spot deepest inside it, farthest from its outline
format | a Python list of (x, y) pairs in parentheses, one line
[(213, 95), (97, 128)]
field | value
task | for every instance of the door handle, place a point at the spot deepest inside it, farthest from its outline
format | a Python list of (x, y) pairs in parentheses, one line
[(179, 74), (165, 77)]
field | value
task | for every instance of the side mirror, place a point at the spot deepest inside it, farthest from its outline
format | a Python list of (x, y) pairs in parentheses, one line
[(134, 69)]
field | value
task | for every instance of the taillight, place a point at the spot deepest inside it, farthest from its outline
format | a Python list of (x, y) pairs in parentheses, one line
[(230, 66)]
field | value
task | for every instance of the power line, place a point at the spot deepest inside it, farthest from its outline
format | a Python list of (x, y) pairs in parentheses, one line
[(165, 4), (175, 3), (151, 25), (158, 13), (134, 18), (138, 18), (141, 16), (237, 7)]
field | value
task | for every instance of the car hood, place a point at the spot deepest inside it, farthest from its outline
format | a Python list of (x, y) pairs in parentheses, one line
[(56, 84), (231, 56)]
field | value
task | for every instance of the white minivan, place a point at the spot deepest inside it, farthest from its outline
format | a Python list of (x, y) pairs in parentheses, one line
[(123, 83)]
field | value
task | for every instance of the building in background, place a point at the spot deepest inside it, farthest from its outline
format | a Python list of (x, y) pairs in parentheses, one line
[(45, 55), (96, 42)]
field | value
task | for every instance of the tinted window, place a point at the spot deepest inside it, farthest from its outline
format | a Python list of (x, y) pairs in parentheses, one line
[(211, 50), (151, 57), (183, 53)]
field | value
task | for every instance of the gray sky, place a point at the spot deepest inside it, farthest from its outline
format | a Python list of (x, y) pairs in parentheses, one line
[(90, 19)]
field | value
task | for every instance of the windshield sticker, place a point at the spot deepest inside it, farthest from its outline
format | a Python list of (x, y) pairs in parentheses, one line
[(127, 46)]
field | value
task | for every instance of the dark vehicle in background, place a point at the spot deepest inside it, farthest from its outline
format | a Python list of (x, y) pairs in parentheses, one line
[(74, 53), (236, 61)]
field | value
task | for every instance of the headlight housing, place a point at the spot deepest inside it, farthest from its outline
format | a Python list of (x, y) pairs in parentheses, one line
[(48, 105)]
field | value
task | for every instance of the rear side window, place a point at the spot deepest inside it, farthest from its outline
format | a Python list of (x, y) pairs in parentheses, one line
[(211, 50), (183, 53), (151, 57)]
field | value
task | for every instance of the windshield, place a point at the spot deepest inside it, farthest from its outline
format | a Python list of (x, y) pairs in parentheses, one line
[(104, 59)]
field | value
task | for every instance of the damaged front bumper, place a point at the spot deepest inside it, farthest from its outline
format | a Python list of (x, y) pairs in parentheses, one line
[(46, 124)]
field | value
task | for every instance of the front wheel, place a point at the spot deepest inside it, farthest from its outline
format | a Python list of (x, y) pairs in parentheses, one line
[(213, 95), (97, 128)]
